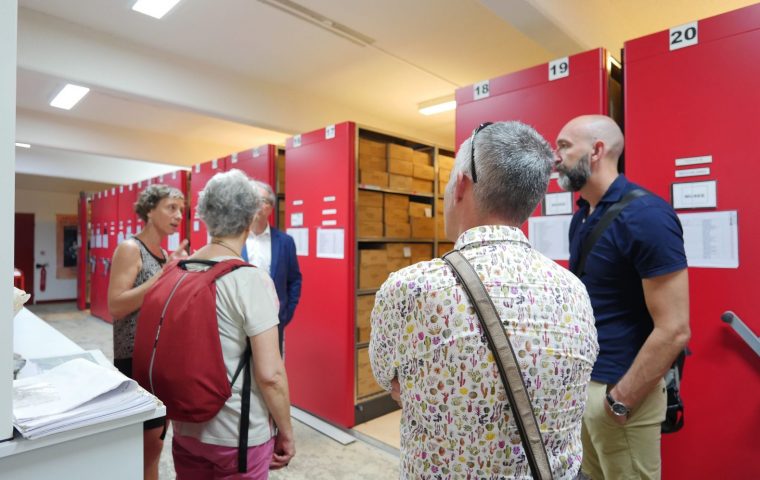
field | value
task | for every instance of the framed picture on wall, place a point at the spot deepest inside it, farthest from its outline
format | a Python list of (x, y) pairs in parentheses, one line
[(67, 242)]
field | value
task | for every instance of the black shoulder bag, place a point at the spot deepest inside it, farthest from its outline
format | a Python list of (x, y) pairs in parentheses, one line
[(674, 416)]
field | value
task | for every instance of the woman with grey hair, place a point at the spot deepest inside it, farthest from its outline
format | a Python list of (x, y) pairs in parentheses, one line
[(246, 306), (136, 265)]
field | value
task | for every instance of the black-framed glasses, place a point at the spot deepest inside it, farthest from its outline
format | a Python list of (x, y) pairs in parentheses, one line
[(472, 149)]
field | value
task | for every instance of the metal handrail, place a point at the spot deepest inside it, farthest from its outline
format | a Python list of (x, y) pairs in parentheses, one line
[(742, 329)]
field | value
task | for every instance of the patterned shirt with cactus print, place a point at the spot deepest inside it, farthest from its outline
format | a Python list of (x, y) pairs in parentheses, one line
[(456, 422)]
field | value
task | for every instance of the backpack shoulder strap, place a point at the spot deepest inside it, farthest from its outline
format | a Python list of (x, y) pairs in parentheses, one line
[(606, 220), (217, 269)]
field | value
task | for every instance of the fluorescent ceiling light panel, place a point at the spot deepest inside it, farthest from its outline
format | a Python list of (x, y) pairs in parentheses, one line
[(154, 8), (438, 105), (69, 96), (23, 145)]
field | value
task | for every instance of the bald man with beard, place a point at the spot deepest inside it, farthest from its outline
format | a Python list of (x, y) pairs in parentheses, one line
[(637, 280)]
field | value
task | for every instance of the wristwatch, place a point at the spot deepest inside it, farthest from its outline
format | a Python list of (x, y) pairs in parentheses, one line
[(619, 409)]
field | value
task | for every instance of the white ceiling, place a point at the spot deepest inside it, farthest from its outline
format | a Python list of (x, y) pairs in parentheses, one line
[(214, 77)]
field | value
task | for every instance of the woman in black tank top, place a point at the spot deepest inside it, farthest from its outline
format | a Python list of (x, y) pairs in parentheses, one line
[(136, 264)]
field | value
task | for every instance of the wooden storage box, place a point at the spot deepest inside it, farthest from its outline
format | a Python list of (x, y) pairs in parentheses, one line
[(397, 230), (370, 199), (418, 209), (395, 201), (445, 162), (374, 256), (400, 167), (364, 305), (423, 172), (423, 227), (370, 214), (365, 381), (395, 264), (370, 162), (396, 216), (421, 158), (372, 148), (400, 152), (369, 229), (373, 177), (400, 182), (422, 186), (372, 276), (420, 252)]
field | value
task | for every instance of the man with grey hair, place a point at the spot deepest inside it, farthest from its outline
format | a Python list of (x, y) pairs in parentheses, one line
[(427, 347), (274, 251)]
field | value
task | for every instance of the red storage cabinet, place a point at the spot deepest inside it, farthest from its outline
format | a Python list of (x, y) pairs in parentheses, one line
[(127, 216), (320, 340), (200, 175), (703, 101), (83, 252), (260, 164), (591, 86)]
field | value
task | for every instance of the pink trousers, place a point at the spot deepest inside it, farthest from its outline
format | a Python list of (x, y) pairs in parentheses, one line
[(194, 460)]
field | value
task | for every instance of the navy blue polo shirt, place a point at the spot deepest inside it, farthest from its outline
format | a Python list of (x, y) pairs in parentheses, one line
[(644, 241)]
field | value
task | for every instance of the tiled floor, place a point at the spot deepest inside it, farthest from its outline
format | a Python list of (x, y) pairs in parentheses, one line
[(317, 456)]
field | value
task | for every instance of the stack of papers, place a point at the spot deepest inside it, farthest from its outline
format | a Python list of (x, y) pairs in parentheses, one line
[(73, 395)]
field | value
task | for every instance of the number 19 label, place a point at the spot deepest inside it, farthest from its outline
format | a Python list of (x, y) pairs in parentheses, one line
[(684, 36), (559, 68)]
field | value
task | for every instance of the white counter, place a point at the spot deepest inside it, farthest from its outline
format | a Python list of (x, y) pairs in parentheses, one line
[(110, 450)]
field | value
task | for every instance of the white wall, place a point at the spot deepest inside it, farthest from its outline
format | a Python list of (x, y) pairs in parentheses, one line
[(8, 16), (45, 206)]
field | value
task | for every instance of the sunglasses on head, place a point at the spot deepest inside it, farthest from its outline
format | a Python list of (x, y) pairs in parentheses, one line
[(472, 149)]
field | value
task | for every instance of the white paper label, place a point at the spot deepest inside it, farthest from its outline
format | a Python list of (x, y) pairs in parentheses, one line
[(560, 203), (407, 251), (329, 132), (297, 141), (234, 159), (105, 241), (121, 188), (692, 172), (129, 230), (329, 211), (554, 175), (113, 191), (297, 202), (214, 164), (711, 239), (172, 242), (330, 243), (174, 175), (296, 219), (684, 36), (329, 223), (256, 152), (684, 162), (329, 199), (119, 238), (429, 212), (196, 226), (198, 168), (481, 90), (301, 239), (695, 195), (161, 179), (139, 184), (130, 187), (549, 235), (559, 68)]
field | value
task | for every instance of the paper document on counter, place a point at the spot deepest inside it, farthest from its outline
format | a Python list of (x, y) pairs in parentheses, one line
[(75, 394)]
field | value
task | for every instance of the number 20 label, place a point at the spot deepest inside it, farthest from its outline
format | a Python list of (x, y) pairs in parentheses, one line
[(559, 68), (683, 36)]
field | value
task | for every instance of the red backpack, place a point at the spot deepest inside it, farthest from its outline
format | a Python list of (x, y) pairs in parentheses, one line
[(178, 353)]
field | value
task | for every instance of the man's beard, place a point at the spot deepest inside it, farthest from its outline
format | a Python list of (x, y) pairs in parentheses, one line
[(573, 179)]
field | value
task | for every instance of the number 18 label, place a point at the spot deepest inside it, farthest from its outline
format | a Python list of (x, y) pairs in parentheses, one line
[(481, 90), (683, 36), (559, 68)]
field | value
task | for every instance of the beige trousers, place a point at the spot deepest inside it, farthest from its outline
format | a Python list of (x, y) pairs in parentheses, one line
[(622, 452)]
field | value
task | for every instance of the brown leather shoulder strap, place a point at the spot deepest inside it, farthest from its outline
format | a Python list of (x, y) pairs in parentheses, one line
[(519, 400)]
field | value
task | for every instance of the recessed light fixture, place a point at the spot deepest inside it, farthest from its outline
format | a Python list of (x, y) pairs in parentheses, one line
[(23, 145), (438, 105), (154, 8), (69, 96)]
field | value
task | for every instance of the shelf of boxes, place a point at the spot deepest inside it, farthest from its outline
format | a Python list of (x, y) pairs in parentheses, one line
[(445, 163), (279, 187)]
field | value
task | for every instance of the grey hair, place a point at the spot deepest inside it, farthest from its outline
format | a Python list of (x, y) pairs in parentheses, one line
[(227, 204), (513, 163), (269, 197), (149, 198)]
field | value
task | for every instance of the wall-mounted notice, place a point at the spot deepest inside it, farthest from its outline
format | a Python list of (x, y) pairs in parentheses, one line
[(329, 223), (695, 195), (684, 162), (330, 198), (297, 202), (330, 243), (711, 239), (301, 239), (549, 235), (558, 203), (296, 219), (172, 242), (693, 172), (329, 211), (196, 225)]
